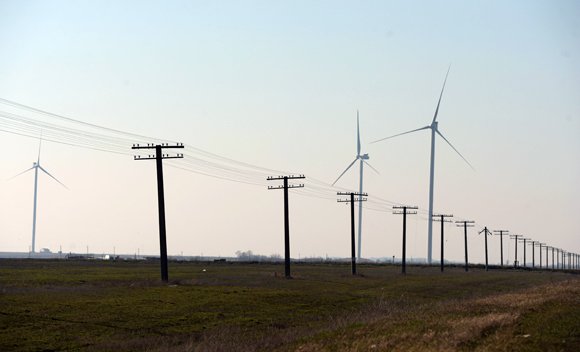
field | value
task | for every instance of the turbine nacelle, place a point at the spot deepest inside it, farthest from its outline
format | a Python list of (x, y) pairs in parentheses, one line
[(434, 125), (364, 157)]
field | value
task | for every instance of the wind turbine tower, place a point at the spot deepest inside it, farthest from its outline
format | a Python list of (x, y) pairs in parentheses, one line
[(434, 130), (36, 166), (362, 159)]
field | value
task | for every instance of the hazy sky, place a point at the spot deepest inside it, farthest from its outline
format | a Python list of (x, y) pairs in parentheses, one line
[(278, 84)]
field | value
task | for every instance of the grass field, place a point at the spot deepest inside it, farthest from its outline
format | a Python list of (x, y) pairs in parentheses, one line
[(123, 306)]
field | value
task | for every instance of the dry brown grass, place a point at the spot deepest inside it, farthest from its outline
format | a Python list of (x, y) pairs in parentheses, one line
[(478, 324)]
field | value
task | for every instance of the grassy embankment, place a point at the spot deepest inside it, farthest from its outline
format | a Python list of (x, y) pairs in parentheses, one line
[(59, 305)]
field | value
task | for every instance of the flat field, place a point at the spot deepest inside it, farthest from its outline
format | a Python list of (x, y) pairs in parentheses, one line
[(123, 306)]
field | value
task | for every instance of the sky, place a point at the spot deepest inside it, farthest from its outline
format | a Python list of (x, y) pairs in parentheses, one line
[(277, 85)]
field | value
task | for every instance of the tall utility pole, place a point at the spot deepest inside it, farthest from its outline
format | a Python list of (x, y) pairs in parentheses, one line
[(564, 253), (465, 224), (553, 266), (501, 233), (352, 200), (441, 218), (286, 186), (515, 237), (540, 244), (404, 210), (523, 240), (485, 233), (158, 157), (533, 243)]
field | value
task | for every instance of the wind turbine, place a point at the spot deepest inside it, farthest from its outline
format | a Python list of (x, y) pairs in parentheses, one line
[(36, 166), (363, 160), (434, 130)]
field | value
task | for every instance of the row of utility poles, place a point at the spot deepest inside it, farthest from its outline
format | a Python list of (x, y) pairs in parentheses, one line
[(353, 197), (405, 210)]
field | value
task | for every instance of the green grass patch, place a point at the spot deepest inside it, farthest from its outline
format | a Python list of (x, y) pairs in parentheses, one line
[(92, 305)]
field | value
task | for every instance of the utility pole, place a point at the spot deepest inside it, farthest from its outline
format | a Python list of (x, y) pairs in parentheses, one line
[(158, 157), (523, 239), (351, 201), (485, 233), (533, 243), (404, 210), (564, 253), (516, 257), (501, 233), (465, 224), (553, 266), (441, 218), (286, 186), (540, 244)]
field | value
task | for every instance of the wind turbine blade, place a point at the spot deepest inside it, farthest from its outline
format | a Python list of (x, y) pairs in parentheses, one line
[(457, 151), (23, 172), (400, 134), (54, 178), (441, 95), (348, 167), (369, 165), (357, 135)]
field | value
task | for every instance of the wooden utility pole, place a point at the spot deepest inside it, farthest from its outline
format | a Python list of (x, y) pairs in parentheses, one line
[(285, 186), (404, 210), (441, 218), (515, 237), (158, 157), (352, 200), (501, 233), (485, 233), (465, 224)]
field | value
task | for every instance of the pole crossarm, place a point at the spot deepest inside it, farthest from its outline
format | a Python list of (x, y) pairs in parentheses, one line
[(289, 177), (356, 194), (487, 232), (465, 223), (153, 146), (289, 186), (349, 201), (152, 157), (404, 209), (441, 217)]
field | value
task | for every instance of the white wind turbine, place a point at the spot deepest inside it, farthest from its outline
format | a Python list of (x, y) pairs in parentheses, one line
[(363, 160), (36, 166), (434, 130)]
